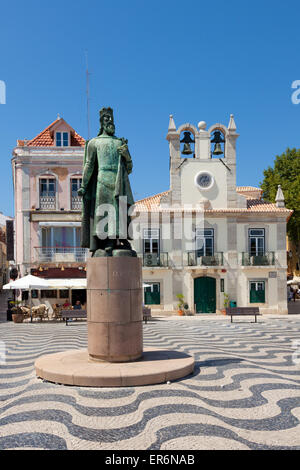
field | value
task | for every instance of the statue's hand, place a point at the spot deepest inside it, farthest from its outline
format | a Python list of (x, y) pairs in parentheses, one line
[(81, 192), (123, 151)]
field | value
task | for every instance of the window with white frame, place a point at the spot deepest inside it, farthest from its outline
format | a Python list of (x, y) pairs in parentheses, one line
[(47, 193), (61, 243), (256, 241), (151, 240), (204, 242), (61, 237), (62, 139)]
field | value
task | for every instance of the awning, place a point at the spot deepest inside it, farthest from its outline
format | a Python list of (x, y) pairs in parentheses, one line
[(295, 280), (59, 224), (28, 282), (34, 282), (67, 283)]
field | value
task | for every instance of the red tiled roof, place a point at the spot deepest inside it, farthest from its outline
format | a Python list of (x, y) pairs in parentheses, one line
[(258, 205), (249, 192), (242, 189), (152, 203), (46, 138)]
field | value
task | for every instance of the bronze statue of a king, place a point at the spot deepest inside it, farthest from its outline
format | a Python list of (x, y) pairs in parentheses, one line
[(106, 192)]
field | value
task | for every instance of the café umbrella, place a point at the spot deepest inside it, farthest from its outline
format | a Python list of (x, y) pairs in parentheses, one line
[(28, 282)]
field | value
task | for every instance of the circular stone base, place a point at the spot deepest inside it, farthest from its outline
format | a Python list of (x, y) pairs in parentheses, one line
[(74, 367)]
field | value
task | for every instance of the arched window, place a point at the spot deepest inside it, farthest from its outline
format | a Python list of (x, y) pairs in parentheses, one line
[(187, 139), (218, 143), (76, 201), (47, 191)]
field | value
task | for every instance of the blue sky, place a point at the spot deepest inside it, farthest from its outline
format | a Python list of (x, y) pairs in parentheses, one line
[(149, 59)]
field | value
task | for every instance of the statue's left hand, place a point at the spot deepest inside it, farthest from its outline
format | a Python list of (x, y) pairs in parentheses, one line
[(81, 192), (123, 151)]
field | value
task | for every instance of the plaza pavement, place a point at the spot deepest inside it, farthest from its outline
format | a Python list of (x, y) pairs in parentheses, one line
[(244, 394)]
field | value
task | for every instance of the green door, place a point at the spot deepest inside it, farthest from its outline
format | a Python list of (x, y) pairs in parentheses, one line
[(257, 292), (205, 295), (152, 294)]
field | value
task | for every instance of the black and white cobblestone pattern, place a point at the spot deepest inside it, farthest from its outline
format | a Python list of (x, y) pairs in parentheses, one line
[(244, 394)]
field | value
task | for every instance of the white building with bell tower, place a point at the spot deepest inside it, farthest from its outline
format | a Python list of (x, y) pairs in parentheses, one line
[(231, 243)]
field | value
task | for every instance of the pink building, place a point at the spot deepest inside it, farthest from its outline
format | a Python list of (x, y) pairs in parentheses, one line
[(47, 172)]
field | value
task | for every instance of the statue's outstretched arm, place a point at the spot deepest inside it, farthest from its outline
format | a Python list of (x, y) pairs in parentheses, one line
[(89, 158)]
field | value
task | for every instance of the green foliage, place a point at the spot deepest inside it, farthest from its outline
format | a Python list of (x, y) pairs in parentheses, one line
[(181, 302), (286, 172), (226, 300)]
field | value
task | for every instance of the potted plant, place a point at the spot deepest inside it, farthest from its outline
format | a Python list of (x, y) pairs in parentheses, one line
[(226, 303), (17, 314), (181, 304)]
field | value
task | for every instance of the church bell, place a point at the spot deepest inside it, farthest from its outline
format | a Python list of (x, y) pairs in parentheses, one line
[(217, 149), (186, 144), (217, 140)]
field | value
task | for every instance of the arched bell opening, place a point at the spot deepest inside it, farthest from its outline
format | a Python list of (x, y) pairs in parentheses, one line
[(187, 141), (217, 142)]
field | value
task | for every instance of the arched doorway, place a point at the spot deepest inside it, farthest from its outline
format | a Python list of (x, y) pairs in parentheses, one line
[(205, 295)]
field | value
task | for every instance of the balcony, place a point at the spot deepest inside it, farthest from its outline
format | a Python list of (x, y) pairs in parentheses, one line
[(155, 260), (60, 254), (76, 203), (215, 260), (47, 202), (266, 259)]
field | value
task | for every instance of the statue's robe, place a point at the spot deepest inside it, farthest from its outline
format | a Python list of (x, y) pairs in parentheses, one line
[(104, 180)]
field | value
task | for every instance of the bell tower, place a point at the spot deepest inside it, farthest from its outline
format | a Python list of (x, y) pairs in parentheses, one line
[(204, 168)]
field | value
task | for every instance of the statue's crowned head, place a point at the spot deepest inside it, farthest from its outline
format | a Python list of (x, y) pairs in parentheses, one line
[(107, 121)]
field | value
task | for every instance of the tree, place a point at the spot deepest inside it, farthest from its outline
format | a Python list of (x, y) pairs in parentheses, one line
[(286, 172)]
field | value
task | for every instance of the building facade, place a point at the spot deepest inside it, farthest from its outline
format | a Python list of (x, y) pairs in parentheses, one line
[(47, 172), (4, 263), (205, 237)]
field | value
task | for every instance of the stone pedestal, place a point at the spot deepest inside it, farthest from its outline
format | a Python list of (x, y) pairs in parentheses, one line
[(114, 308), (115, 356)]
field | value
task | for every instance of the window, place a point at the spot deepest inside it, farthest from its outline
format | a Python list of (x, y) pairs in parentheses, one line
[(222, 285), (256, 242), (151, 241), (61, 244), (64, 294), (62, 139), (257, 292), (61, 237), (48, 294), (47, 187), (76, 201), (204, 242), (47, 193), (75, 185)]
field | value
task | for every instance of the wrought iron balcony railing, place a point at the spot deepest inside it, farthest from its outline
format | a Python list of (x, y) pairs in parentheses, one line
[(60, 254), (155, 259), (263, 259), (48, 202), (215, 260), (76, 203)]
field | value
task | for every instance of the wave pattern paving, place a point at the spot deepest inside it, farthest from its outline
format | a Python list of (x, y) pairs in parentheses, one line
[(244, 394)]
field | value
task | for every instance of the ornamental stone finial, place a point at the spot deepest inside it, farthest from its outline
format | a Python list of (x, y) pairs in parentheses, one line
[(172, 126), (280, 197), (232, 124)]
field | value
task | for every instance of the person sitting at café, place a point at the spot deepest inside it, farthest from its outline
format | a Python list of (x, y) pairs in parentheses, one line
[(77, 305)]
